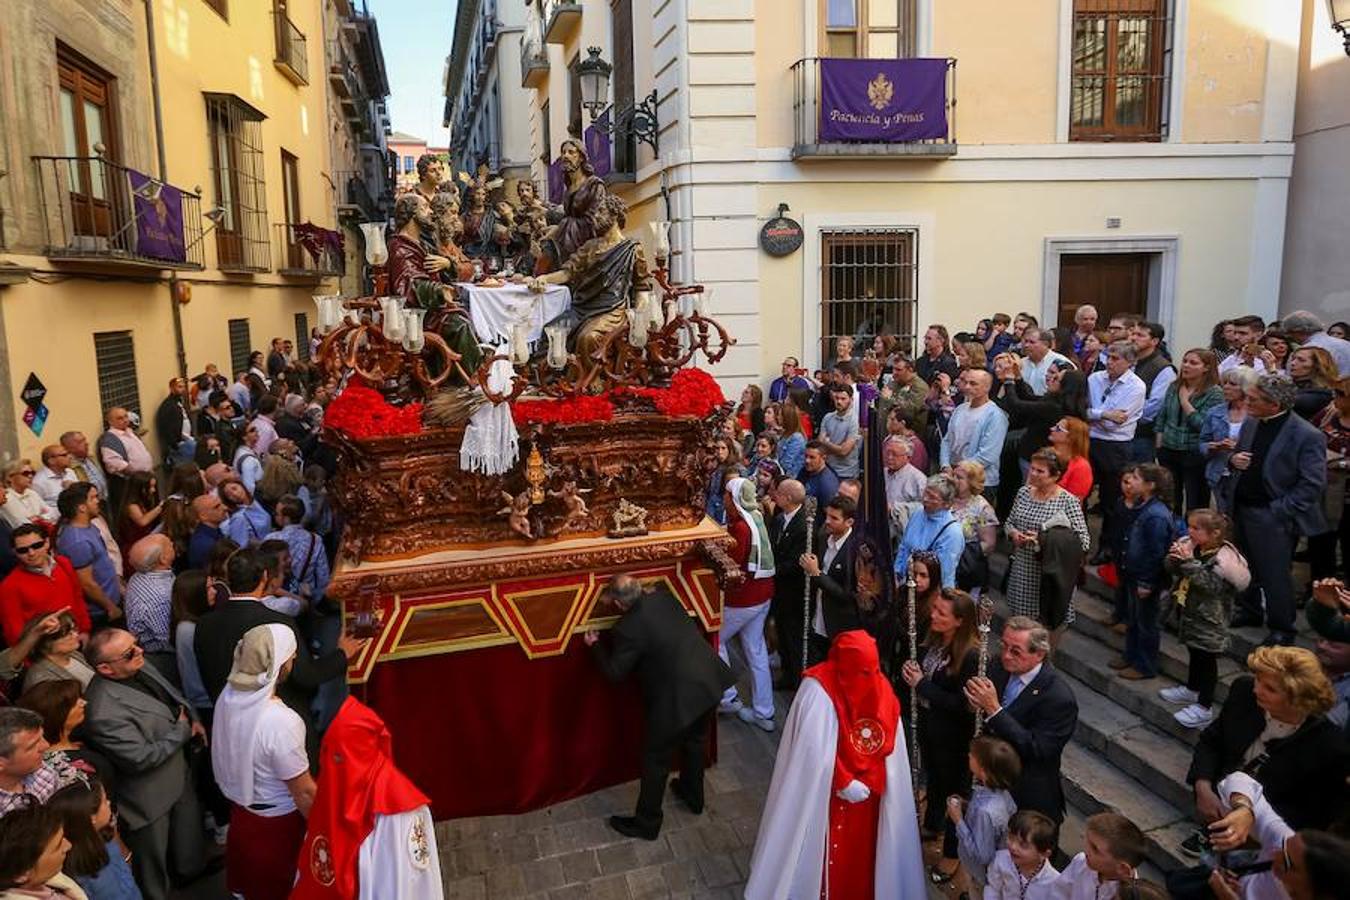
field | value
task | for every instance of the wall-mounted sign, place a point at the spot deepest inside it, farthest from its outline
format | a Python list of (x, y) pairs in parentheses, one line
[(34, 391), (781, 236)]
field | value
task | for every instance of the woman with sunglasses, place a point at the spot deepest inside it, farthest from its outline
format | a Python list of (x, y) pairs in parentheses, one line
[(57, 656), (43, 582), (24, 504)]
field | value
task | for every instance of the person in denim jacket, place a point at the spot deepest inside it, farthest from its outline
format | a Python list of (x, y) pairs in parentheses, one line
[(1143, 550)]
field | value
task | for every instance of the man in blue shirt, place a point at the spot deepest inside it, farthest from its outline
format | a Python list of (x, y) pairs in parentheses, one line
[(819, 479), (779, 388), (840, 435), (82, 543), (309, 566), (210, 514), (976, 430), (248, 523)]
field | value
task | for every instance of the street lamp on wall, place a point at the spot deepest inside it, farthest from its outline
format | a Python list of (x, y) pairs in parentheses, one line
[(1340, 19), (638, 120)]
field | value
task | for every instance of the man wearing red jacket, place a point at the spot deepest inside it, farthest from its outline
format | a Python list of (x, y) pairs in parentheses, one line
[(43, 582)]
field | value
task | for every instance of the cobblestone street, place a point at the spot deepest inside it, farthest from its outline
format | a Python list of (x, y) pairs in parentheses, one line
[(568, 850)]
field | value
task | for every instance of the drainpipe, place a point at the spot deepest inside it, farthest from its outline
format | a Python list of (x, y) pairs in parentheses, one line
[(163, 175)]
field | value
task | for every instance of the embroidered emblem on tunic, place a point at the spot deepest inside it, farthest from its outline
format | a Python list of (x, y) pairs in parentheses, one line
[(866, 736), (321, 862), (419, 848)]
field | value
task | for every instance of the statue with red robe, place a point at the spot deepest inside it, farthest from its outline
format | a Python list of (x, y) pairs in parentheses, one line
[(839, 822)]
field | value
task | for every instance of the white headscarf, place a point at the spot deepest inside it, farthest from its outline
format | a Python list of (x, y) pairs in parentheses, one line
[(258, 658), (743, 495)]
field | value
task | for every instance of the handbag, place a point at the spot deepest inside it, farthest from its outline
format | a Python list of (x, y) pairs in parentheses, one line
[(972, 571)]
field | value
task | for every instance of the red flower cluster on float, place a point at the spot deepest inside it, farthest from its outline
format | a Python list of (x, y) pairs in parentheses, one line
[(565, 412), (360, 412), (692, 392)]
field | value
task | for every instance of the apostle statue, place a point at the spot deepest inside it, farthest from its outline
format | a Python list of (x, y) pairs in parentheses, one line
[(581, 205), (839, 821), (605, 273), (532, 224), (449, 227), (430, 173), (416, 276)]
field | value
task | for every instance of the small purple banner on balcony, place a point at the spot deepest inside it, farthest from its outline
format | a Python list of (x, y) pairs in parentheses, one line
[(884, 101), (597, 145), (159, 218)]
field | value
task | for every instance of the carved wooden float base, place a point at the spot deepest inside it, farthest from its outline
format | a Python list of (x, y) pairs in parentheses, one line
[(535, 598)]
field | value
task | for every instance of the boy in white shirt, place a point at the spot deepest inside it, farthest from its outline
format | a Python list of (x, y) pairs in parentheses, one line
[(1022, 870), (1114, 848)]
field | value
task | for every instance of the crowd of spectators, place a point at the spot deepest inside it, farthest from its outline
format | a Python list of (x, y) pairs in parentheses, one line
[(128, 584), (1189, 481)]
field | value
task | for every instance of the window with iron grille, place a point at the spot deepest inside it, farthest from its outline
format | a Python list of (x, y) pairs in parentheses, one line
[(868, 287), (302, 336), (1122, 62), (241, 345), (115, 356), (237, 176), (871, 29)]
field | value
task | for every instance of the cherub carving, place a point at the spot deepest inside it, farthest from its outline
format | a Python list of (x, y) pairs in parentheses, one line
[(573, 501), (518, 508), (629, 520)]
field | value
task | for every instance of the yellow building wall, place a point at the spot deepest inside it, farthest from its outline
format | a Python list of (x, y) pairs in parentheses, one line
[(198, 52), (988, 243), (1226, 55)]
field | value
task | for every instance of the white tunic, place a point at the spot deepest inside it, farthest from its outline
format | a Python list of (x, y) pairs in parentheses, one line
[(399, 859), (790, 849)]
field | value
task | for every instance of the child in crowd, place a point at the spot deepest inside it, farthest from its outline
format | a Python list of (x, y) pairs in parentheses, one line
[(982, 830), (1140, 554), (1022, 870), (1210, 574), (1114, 848)]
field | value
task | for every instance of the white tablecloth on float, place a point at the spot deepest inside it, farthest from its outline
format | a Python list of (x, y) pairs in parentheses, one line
[(493, 310)]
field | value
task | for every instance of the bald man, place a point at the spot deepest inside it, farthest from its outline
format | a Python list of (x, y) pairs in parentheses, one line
[(55, 473), (789, 532), (210, 513), (149, 595), (976, 430), (122, 453)]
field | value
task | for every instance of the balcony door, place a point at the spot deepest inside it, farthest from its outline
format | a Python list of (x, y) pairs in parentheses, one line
[(290, 192), (87, 127), (868, 29)]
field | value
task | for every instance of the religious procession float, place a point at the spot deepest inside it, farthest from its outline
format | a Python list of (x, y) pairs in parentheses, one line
[(520, 419)]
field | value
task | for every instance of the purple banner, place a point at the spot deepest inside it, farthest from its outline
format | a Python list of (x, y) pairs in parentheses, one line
[(884, 101), (597, 145), (557, 184), (159, 222)]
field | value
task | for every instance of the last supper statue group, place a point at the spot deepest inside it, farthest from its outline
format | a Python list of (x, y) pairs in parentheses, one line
[(446, 234)]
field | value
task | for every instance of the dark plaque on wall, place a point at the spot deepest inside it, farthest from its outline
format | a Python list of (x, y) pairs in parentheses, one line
[(781, 236)]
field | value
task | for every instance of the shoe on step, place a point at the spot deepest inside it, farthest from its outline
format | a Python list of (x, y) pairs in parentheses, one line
[(1118, 663), (732, 708), (1179, 694), (750, 717), (1194, 716), (1130, 673)]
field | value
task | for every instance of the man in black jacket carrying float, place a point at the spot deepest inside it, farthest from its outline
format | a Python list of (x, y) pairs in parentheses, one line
[(682, 681)]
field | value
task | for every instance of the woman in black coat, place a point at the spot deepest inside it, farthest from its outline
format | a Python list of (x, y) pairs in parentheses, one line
[(946, 722), (1065, 395), (1273, 726)]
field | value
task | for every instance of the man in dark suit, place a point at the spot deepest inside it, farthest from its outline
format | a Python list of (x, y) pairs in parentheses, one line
[(1273, 493), (221, 629), (144, 725), (834, 608), (682, 681), (1026, 703), (788, 531)]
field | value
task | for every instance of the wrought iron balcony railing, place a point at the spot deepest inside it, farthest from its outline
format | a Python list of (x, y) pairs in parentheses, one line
[(96, 210), (354, 197), (533, 63), (307, 252), (808, 112), (292, 47), (561, 19)]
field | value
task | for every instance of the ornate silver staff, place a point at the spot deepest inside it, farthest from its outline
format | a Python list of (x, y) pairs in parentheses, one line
[(913, 627), (809, 515), (985, 611)]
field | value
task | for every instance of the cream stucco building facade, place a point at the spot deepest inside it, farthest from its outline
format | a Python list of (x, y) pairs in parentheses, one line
[(1023, 207)]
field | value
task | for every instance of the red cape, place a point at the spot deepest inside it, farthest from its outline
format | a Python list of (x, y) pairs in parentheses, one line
[(869, 712), (357, 782)]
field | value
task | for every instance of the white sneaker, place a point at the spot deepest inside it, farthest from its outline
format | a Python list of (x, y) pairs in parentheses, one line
[(750, 717), (1194, 716), (731, 708), (1179, 694)]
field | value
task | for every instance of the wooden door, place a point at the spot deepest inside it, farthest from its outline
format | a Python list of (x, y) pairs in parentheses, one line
[(87, 128), (1114, 283), (290, 191)]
